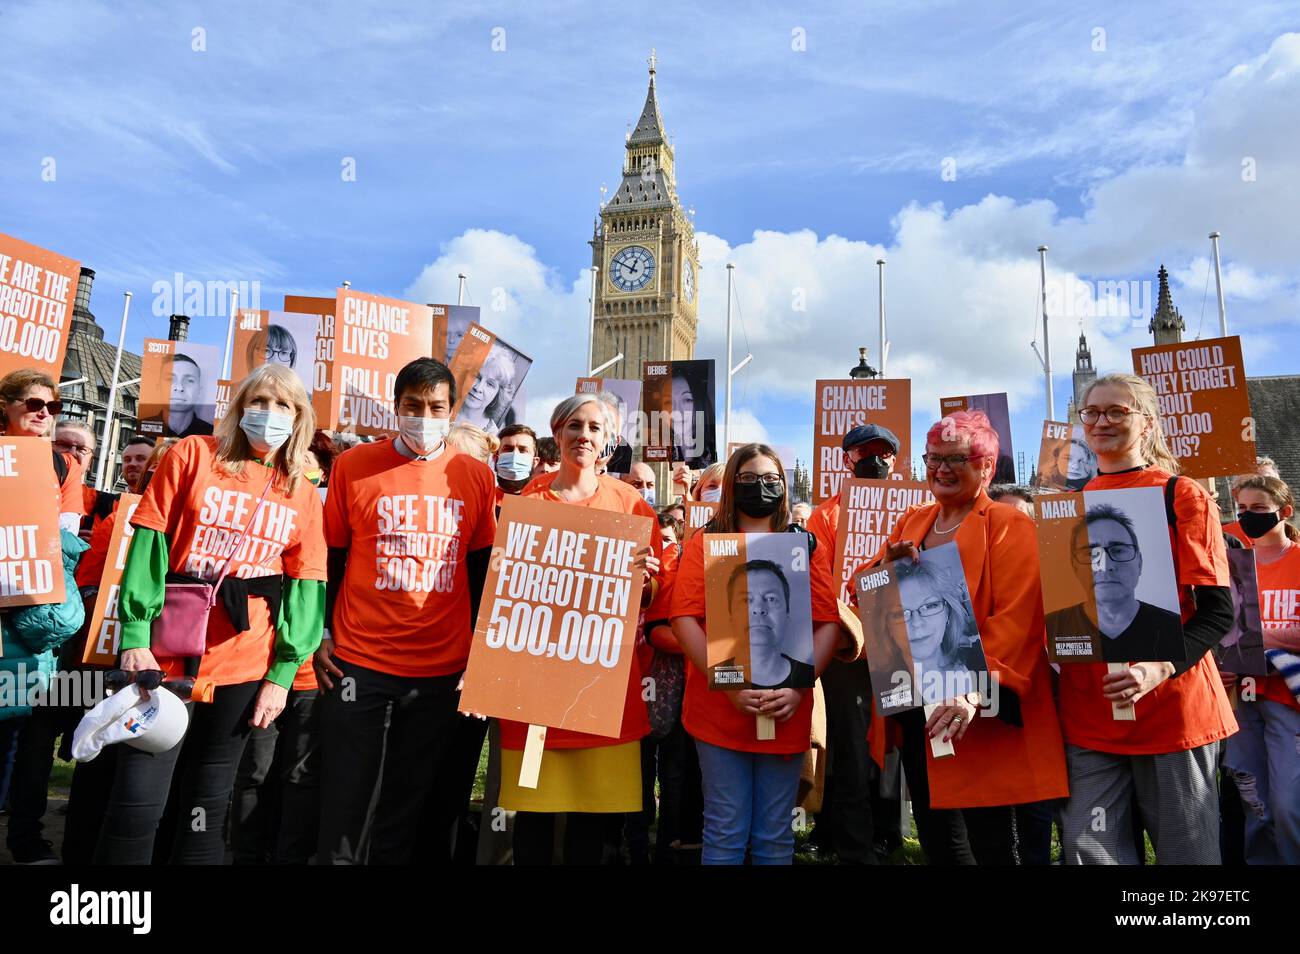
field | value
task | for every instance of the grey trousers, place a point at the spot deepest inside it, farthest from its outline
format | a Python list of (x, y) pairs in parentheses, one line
[(1177, 794)]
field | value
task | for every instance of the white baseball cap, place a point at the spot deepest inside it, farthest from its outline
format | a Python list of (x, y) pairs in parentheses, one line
[(154, 724)]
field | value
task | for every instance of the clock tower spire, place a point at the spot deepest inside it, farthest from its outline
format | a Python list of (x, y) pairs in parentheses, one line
[(644, 244)]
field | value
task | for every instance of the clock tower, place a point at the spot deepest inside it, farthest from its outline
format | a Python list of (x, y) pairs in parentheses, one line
[(644, 245)]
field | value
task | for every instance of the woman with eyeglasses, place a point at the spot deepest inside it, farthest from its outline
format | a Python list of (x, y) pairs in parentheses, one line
[(1166, 757), (236, 501), (1009, 755), (750, 785), (941, 629), (588, 778)]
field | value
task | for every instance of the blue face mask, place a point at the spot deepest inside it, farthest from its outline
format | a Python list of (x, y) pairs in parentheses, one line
[(514, 466), (648, 495), (266, 430)]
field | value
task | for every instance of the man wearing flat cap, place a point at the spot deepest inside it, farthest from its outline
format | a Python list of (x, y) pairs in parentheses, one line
[(869, 451)]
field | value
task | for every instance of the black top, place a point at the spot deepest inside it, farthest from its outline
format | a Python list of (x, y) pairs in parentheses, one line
[(1155, 635), (802, 676)]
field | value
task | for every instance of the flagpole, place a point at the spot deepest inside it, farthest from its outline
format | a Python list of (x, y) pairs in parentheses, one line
[(104, 448), (230, 334), (460, 288), (884, 342), (1047, 341), (726, 419), (1218, 284), (591, 319)]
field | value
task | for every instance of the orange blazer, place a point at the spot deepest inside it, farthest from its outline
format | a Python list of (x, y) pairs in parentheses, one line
[(998, 763)]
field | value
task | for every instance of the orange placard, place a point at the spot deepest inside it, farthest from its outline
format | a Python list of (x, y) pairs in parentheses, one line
[(104, 635), (31, 553), (375, 337), (698, 513), (1065, 461), (1107, 572), (657, 408), (323, 309), (278, 337), (37, 291), (868, 511), (466, 363), (178, 388), (996, 409), (450, 324), (844, 405), (556, 627), (758, 611), (588, 386), (225, 390), (1204, 404)]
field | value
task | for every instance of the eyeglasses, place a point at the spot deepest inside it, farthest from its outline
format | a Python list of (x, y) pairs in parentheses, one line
[(926, 610), (34, 405), (71, 448), (954, 461), (748, 479), (1118, 552), (1116, 414), (274, 354)]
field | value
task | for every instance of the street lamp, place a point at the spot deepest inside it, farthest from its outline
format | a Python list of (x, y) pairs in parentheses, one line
[(863, 370)]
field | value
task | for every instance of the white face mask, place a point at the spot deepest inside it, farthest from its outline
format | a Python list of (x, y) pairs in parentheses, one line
[(266, 430), (711, 494), (423, 434), (648, 495), (512, 465)]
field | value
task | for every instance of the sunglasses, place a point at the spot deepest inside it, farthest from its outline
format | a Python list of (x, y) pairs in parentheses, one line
[(148, 679), (34, 405)]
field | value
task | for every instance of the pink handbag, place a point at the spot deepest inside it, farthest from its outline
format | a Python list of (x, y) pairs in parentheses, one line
[(181, 629)]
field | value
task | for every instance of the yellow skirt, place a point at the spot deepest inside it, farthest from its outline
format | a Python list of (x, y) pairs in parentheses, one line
[(604, 779)]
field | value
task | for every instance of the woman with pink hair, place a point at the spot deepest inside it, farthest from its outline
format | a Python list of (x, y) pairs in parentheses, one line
[(1008, 740)]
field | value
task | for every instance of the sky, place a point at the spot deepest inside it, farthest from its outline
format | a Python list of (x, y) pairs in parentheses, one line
[(219, 142)]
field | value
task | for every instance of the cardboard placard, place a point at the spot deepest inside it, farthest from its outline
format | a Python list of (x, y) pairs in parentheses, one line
[(178, 388), (489, 373), (1065, 461), (1204, 404), (38, 289), (450, 324), (994, 407), (323, 309), (758, 611), (31, 552), (868, 511), (282, 337), (557, 624), (678, 398), (1242, 649), (628, 394), (375, 337), (225, 391), (698, 513), (104, 635), (923, 645), (843, 405), (1107, 552)]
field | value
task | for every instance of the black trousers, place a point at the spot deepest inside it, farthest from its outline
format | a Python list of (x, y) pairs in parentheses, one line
[(172, 806), (382, 738), (950, 836), (445, 833), (846, 808), (92, 785), (584, 838), (275, 808)]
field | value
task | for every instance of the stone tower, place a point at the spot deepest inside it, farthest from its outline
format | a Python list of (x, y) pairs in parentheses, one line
[(1084, 375), (1166, 324), (644, 245)]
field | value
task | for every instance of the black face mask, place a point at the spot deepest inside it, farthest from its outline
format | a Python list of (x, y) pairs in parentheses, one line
[(874, 467), (759, 500), (1256, 525)]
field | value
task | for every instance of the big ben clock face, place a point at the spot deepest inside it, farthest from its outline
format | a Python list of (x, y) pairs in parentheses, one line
[(688, 280), (632, 268)]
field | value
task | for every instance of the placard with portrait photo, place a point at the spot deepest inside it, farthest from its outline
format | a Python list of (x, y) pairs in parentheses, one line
[(1065, 461)]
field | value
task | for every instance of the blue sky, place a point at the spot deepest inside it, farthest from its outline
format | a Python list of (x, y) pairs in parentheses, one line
[(1115, 135)]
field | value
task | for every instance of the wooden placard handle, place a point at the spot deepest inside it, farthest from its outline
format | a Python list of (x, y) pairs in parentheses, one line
[(939, 748), (766, 728), (1125, 713), (531, 766)]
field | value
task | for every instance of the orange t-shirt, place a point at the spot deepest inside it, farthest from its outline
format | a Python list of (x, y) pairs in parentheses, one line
[(91, 568), (661, 610), (1183, 712), (1279, 607), (200, 508), (611, 494), (823, 525), (72, 497), (305, 677), (1234, 528), (408, 525), (708, 715)]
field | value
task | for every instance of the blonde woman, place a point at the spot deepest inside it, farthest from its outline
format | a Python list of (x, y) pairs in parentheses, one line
[(244, 481), (1167, 757), (473, 440)]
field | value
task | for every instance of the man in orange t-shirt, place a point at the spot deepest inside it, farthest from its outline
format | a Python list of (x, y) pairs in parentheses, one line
[(410, 524)]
